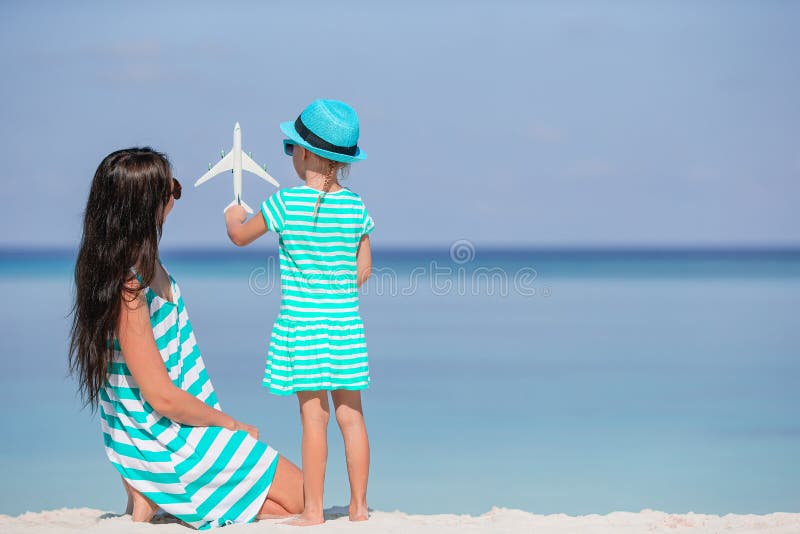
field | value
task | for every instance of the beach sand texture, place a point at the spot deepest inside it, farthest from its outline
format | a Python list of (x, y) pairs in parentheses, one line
[(497, 520)]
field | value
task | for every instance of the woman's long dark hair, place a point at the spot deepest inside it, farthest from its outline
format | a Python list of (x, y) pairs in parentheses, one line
[(121, 229)]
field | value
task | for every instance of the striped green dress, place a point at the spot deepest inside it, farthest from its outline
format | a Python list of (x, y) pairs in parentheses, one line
[(317, 341), (205, 476)]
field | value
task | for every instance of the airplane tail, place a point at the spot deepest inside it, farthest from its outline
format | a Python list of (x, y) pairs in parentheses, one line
[(247, 208)]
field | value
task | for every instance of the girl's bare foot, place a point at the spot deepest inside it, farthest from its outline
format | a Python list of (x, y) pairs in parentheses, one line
[(306, 520), (359, 512)]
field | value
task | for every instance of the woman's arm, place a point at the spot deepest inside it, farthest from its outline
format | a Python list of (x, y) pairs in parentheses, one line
[(141, 355), (243, 233), (363, 260)]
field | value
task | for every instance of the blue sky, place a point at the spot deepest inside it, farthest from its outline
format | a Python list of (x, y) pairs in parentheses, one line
[(510, 123)]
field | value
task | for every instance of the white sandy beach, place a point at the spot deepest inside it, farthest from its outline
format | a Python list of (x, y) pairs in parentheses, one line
[(497, 520)]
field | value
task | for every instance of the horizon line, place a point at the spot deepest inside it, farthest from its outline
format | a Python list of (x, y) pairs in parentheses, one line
[(768, 249)]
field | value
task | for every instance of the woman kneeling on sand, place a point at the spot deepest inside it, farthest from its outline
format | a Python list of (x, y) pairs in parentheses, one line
[(136, 359)]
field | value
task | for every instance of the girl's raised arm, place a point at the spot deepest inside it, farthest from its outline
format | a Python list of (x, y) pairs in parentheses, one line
[(144, 361), (243, 233)]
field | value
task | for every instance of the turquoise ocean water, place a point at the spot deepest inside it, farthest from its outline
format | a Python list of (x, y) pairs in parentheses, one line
[(555, 382)]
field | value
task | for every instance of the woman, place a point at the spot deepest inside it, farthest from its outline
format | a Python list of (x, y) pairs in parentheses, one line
[(135, 357)]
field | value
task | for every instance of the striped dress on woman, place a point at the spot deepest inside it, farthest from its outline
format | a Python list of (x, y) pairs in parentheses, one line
[(317, 341), (205, 476)]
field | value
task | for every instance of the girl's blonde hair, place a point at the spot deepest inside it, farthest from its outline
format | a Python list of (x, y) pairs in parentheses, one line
[(334, 168)]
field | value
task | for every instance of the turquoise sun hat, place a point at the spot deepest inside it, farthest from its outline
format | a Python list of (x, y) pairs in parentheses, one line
[(328, 128)]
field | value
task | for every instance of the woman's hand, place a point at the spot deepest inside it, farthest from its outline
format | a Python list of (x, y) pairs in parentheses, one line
[(250, 429), (135, 334)]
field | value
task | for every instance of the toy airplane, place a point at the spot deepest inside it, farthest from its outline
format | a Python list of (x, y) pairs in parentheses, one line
[(235, 161)]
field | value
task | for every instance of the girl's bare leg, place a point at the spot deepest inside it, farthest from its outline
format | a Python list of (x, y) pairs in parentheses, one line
[(314, 414), (350, 416), (139, 507), (285, 496)]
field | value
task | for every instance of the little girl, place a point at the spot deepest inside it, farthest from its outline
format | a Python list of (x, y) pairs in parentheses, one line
[(317, 343)]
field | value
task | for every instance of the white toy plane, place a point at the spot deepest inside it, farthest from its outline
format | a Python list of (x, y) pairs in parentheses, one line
[(235, 161)]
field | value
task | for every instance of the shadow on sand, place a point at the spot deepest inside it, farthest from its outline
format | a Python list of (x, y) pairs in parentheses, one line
[(335, 512), (160, 518)]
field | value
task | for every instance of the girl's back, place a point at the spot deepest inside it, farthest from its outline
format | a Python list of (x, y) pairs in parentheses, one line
[(318, 338), (318, 253)]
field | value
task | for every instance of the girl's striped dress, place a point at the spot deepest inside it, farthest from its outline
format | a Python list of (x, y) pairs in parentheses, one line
[(205, 476), (317, 341)]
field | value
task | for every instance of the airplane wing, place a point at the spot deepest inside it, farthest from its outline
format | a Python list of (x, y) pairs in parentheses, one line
[(251, 166), (225, 164)]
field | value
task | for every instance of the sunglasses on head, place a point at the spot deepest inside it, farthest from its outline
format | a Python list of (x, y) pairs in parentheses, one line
[(176, 189), (288, 147)]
